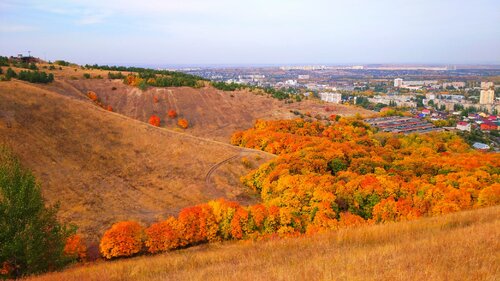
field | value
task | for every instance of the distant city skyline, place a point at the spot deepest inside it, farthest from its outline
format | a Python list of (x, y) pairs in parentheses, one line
[(261, 33)]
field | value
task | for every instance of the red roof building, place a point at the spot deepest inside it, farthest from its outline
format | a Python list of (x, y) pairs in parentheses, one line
[(489, 126)]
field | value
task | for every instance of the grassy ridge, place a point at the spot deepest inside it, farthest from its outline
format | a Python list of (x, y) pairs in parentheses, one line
[(459, 246)]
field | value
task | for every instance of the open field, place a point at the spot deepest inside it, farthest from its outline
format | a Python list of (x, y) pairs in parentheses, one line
[(459, 246), (104, 167)]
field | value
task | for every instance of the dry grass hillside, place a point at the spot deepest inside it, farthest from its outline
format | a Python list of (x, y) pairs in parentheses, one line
[(104, 167), (212, 113), (460, 246)]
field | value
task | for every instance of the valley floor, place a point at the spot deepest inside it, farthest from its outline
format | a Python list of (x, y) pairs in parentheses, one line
[(460, 246)]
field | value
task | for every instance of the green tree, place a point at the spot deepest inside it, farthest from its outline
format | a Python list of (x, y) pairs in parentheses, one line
[(10, 73), (31, 238), (337, 165)]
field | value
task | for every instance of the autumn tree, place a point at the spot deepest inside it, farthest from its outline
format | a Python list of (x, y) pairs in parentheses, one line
[(123, 239), (183, 123), (75, 248), (154, 120), (162, 236), (172, 113), (92, 95)]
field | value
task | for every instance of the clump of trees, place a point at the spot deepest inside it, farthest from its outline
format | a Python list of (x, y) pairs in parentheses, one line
[(151, 77), (154, 120), (172, 113), (280, 94), (31, 239), (35, 76), (115, 75), (228, 86), (95, 98), (123, 239), (62, 63), (75, 248), (9, 74), (183, 123), (4, 61), (339, 174)]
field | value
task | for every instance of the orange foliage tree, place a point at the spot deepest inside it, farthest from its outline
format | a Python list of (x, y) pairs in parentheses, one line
[(123, 239), (92, 95), (183, 123), (154, 120), (172, 113), (75, 248)]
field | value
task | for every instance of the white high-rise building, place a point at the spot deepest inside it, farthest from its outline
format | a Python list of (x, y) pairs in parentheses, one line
[(487, 85), (487, 96), (398, 82)]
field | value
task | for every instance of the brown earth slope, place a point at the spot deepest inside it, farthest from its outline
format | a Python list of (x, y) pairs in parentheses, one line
[(104, 167), (212, 113)]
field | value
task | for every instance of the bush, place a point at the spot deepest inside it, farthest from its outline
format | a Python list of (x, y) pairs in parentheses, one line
[(61, 62), (172, 113), (86, 75), (118, 75), (4, 61), (183, 123), (31, 238), (154, 120), (123, 239), (35, 76), (75, 248), (10, 74)]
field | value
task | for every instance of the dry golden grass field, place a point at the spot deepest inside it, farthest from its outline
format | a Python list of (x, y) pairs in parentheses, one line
[(459, 246), (104, 167)]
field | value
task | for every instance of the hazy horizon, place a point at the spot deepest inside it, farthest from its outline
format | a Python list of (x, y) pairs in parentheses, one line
[(260, 33)]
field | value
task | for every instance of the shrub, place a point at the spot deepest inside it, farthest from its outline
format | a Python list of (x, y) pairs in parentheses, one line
[(86, 75), (92, 95), (183, 123), (75, 248), (172, 113), (154, 120), (118, 75), (31, 238), (123, 239), (162, 236), (35, 76), (61, 62), (10, 73)]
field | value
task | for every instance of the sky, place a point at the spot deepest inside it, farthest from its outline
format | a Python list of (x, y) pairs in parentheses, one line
[(255, 32)]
